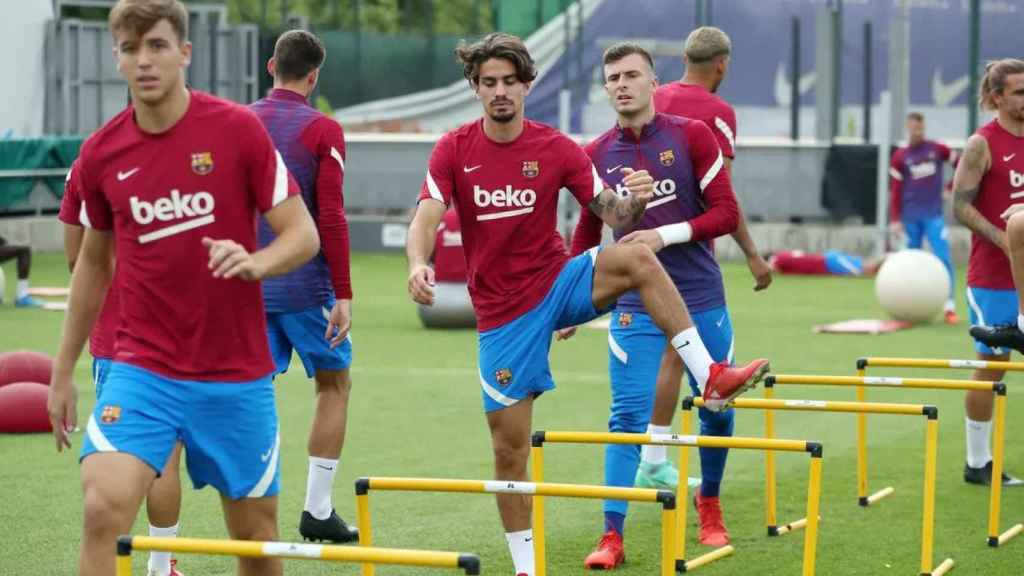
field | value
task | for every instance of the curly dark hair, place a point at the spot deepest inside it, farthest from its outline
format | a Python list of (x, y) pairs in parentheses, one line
[(495, 45)]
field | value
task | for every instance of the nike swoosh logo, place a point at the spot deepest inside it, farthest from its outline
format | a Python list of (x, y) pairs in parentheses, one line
[(1010, 157), (122, 176), (328, 468), (685, 344), (615, 169), (527, 539), (783, 87), (720, 320), (467, 169), (943, 93), (266, 456)]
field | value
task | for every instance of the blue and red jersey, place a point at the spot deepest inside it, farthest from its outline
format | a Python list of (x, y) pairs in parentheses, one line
[(313, 148), (690, 185), (915, 189)]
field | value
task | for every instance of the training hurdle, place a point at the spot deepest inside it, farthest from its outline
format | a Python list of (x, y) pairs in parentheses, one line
[(995, 538), (666, 498), (685, 441), (931, 414), (253, 549)]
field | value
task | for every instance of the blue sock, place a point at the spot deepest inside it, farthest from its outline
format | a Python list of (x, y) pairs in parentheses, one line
[(712, 460), (709, 489), (614, 521)]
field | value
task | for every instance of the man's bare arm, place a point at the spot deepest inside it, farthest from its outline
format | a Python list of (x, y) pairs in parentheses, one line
[(966, 187)]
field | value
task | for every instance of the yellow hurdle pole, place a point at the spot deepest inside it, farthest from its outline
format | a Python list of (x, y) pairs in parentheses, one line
[(304, 551), (826, 406), (931, 451), (668, 539), (996, 490), (365, 526), (813, 502), (539, 543), (770, 483), (124, 556), (862, 448), (683, 488), (863, 363), (879, 382)]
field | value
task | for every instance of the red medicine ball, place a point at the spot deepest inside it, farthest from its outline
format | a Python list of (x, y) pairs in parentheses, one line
[(25, 366), (23, 408)]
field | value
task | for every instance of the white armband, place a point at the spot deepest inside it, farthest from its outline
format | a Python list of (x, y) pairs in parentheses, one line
[(678, 233)]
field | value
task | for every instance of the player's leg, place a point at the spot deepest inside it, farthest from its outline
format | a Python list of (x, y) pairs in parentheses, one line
[(163, 508), (914, 230), (623, 267), (253, 519), (938, 239), (329, 368), (510, 439), (986, 308), (634, 343), (24, 256), (113, 485), (655, 470), (1010, 334)]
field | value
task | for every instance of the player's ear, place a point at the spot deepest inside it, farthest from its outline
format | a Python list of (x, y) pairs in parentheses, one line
[(271, 66), (313, 78), (526, 87), (186, 53)]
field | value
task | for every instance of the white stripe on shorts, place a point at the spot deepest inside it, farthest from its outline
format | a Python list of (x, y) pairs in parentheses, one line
[(261, 487), (494, 394), (617, 350), (96, 436)]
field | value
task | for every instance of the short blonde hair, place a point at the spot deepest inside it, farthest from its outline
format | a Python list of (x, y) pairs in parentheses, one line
[(994, 80), (705, 44)]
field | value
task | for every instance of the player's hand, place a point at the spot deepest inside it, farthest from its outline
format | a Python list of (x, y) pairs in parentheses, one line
[(1013, 209), (421, 284), (62, 406), (229, 259), (565, 333), (639, 183), (761, 271), (339, 322), (649, 237)]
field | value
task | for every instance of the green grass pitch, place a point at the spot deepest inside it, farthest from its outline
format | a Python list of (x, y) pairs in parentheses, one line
[(415, 411)]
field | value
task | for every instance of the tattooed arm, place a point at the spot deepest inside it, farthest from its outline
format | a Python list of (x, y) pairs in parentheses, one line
[(623, 213), (966, 187)]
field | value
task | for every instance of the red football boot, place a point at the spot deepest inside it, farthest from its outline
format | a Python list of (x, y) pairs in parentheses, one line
[(608, 554), (727, 382)]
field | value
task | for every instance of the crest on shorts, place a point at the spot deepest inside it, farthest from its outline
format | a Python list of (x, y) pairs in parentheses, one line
[(202, 163), (531, 168), (625, 319), (110, 414), (667, 157), (503, 376)]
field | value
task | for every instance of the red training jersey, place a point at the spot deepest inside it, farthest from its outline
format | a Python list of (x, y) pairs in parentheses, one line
[(1001, 186), (101, 339), (506, 196), (207, 176), (694, 101)]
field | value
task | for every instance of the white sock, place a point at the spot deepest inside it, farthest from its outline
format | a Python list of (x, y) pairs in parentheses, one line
[(1020, 322), (950, 305), (22, 288), (520, 544), (319, 482), (650, 454), (979, 450), (160, 562), (691, 349)]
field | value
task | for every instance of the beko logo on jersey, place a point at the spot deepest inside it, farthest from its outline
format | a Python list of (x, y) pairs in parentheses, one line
[(664, 191), (1016, 179), (923, 170), (521, 201), (194, 210)]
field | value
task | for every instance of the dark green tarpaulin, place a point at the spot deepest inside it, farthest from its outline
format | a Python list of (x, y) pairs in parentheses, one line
[(56, 152)]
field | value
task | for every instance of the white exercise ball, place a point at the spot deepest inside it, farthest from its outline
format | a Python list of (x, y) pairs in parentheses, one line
[(912, 285)]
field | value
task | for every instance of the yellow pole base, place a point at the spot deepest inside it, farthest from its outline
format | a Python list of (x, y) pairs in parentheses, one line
[(716, 554), (1005, 537), (792, 526), (941, 569), (883, 493)]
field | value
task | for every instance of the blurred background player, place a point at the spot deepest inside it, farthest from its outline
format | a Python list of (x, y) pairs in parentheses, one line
[(694, 204), (176, 180), (452, 307), (915, 198), (986, 179), (831, 263), (163, 501), (309, 310), (502, 173), (22, 299)]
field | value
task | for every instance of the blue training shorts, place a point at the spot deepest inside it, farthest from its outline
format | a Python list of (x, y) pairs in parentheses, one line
[(100, 370), (514, 357), (304, 332), (842, 264), (229, 429), (991, 308)]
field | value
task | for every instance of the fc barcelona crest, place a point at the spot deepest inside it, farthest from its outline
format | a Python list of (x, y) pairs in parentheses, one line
[(667, 157), (110, 414), (531, 168), (202, 163), (625, 319), (503, 376)]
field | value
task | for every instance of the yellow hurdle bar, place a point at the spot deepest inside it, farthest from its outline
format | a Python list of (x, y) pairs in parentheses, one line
[(995, 539), (255, 549), (879, 382), (931, 453), (666, 498)]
